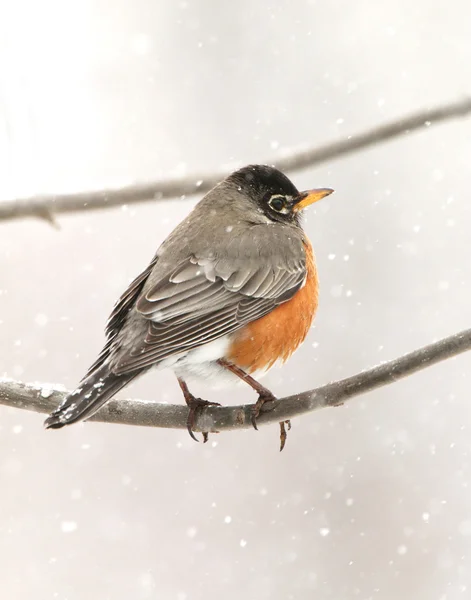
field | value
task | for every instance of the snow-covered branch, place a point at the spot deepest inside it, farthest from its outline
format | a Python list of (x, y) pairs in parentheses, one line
[(47, 206), (44, 398)]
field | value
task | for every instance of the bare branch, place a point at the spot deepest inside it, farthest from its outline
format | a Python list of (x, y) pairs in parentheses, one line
[(46, 206), (43, 399)]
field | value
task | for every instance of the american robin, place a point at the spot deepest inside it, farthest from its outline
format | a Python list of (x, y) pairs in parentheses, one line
[(233, 289)]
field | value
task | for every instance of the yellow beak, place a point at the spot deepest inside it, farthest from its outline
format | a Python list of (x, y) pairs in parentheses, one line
[(309, 197)]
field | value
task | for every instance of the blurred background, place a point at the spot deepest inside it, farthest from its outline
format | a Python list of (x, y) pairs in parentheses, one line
[(371, 500)]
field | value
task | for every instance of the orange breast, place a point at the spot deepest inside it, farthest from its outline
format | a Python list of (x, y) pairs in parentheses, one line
[(277, 335)]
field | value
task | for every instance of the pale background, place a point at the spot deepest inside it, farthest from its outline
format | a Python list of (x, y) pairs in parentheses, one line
[(369, 501)]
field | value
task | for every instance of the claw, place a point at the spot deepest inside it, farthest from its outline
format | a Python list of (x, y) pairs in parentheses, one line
[(254, 418), (196, 405), (263, 397), (283, 434), (190, 431)]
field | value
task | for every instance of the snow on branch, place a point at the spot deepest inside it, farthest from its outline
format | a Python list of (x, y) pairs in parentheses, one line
[(44, 398), (47, 206)]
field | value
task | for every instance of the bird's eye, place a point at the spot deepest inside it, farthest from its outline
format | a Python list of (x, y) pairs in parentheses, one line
[(278, 203)]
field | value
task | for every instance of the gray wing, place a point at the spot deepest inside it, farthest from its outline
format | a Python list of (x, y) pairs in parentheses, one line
[(211, 294), (120, 313)]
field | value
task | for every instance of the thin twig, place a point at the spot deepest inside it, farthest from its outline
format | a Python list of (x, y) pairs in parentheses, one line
[(46, 206), (43, 399)]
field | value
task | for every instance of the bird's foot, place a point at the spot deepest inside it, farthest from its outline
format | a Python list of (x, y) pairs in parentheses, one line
[(264, 396), (196, 405)]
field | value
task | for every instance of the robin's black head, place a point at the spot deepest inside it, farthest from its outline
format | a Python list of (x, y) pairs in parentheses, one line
[(273, 193)]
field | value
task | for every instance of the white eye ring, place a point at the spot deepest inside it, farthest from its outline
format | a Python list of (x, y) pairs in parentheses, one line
[(285, 209)]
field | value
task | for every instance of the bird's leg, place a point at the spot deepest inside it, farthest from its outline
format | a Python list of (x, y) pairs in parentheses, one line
[(195, 405), (264, 395)]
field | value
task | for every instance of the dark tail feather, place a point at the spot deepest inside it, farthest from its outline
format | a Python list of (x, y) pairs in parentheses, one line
[(92, 393)]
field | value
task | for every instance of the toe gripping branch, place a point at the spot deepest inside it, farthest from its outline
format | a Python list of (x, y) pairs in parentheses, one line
[(196, 405)]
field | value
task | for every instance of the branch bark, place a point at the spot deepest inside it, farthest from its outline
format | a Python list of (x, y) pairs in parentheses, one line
[(44, 398), (46, 206)]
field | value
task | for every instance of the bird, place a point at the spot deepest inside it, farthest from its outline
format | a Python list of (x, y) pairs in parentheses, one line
[(232, 290)]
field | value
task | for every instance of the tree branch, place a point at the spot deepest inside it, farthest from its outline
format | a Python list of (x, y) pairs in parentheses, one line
[(46, 206), (43, 398)]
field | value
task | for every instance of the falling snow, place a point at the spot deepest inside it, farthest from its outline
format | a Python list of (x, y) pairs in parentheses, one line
[(68, 526), (41, 320), (324, 531), (131, 93)]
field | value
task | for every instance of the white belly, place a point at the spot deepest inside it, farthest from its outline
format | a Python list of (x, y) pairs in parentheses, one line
[(201, 363)]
